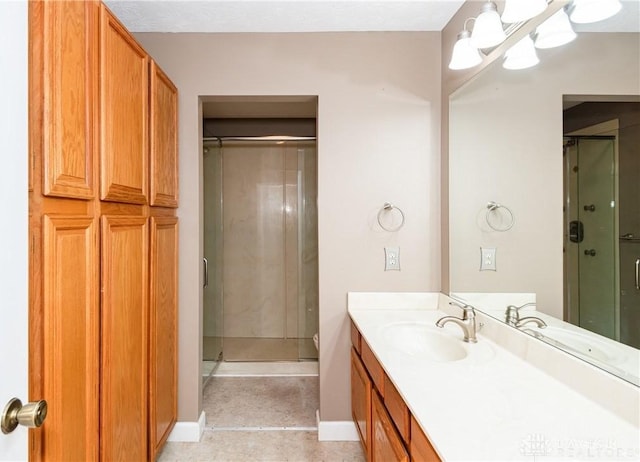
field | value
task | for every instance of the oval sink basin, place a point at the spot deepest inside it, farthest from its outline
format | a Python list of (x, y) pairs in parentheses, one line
[(424, 340)]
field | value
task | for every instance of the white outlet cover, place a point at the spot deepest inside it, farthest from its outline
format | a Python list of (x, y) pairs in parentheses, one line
[(392, 258), (487, 259)]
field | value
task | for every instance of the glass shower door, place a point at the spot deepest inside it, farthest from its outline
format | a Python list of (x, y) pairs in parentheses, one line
[(308, 309), (591, 245), (212, 290)]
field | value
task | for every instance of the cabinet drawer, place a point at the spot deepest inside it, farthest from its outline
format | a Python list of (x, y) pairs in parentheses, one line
[(420, 447), (387, 444), (397, 409), (355, 338), (373, 366)]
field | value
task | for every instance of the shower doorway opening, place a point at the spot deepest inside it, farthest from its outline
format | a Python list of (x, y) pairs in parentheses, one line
[(260, 229)]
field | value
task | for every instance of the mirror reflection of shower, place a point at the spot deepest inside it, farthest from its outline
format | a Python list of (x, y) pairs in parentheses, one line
[(260, 239), (602, 210)]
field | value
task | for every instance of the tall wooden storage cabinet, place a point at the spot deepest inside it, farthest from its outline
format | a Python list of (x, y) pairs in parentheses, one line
[(103, 256)]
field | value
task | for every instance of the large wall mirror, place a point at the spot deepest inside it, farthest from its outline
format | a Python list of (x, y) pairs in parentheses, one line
[(565, 236)]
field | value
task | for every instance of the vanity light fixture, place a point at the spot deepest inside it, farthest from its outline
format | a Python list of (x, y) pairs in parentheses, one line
[(465, 55), (555, 31), (588, 11), (487, 30), (521, 10), (521, 56)]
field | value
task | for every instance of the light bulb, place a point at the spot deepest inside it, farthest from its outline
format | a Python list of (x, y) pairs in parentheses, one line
[(521, 10), (521, 56), (588, 11), (555, 31), (487, 30), (464, 54)]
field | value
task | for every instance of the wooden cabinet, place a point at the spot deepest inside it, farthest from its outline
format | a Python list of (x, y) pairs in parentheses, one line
[(387, 429), (66, 51), (102, 273), (124, 335), (70, 336), (163, 354), (361, 401), (124, 109), (163, 139), (420, 447), (387, 445), (397, 408)]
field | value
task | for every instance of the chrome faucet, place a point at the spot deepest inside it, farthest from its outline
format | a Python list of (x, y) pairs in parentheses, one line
[(512, 317), (467, 322)]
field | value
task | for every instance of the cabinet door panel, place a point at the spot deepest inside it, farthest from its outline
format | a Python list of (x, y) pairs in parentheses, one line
[(373, 366), (361, 401), (123, 407), (69, 31), (163, 139), (124, 81), (163, 330), (420, 447), (386, 443), (70, 352)]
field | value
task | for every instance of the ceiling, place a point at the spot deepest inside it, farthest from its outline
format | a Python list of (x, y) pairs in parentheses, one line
[(284, 16), (313, 15), (220, 16)]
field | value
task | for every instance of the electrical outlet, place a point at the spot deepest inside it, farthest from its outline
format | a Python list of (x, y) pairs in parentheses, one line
[(487, 259), (392, 258)]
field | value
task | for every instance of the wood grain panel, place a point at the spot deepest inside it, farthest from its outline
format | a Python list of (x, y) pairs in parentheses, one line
[(71, 338), (420, 447), (373, 366), (163, 138), (69, 31), (124, 329), (361, 401), (163, 359), (386, 442), (124, 83), (355, 338), (397, 409)]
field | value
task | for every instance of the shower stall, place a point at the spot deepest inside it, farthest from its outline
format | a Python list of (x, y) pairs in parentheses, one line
[(260, 248)]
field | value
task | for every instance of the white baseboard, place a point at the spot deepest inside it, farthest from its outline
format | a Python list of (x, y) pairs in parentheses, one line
[(336, 430), (188, 431)]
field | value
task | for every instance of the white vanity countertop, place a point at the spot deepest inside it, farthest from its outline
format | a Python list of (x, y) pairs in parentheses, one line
[(493, 405)]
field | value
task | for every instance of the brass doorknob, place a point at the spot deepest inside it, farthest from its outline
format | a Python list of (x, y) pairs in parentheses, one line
[(30, 415)]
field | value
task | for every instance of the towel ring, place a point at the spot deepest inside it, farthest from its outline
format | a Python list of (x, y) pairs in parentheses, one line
[(389, 207), (492, 207)]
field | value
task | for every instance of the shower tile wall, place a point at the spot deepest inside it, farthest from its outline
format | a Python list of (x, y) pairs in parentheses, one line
[(260, 240)]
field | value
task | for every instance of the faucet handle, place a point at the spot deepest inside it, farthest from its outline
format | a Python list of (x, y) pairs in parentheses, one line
[(468, 310)]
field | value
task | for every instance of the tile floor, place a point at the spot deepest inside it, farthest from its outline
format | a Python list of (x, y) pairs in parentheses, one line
[(262, 412)]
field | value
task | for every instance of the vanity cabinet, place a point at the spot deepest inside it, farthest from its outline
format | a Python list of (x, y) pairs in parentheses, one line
[(388, 431), (387, 445), (103, 254), (420, 446), (361, 401)]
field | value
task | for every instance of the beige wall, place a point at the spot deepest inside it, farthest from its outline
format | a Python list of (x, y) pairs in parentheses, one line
[(506, 145), (378, 140)]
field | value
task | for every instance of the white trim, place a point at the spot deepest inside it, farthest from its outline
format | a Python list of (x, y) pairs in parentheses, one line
[(261, 429), (188, 431), (336, 430)]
